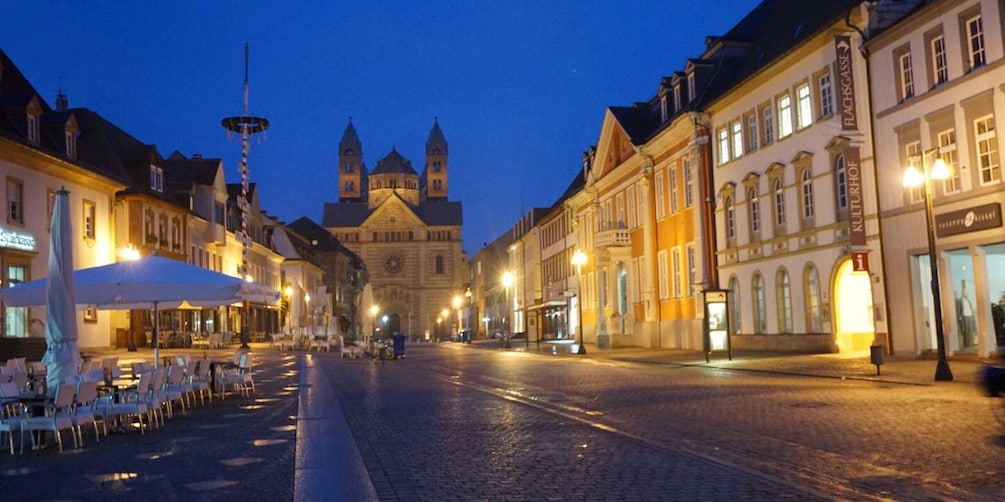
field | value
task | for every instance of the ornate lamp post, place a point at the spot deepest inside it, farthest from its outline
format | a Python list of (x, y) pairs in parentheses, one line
[(507, 281), (912, 179), (578, 259)]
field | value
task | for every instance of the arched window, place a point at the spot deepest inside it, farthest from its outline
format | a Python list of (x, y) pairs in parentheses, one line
[(439, 264), (814, 311), (760, 314), (841, 183), (806, 189), (734, 289), (779, 203), (349, 186), (755, 210), (730, 218), (783, 296)]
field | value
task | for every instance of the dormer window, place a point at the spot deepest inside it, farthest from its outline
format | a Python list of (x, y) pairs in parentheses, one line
[(690, 87), (32, 127), (664, 112), (71, 147), (156, 179), (676, 97)]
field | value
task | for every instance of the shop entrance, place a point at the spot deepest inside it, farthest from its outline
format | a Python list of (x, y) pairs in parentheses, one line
[(853, 310)]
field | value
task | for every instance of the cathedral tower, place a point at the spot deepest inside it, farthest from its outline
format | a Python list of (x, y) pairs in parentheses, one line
[(350, 165), (436, 163)]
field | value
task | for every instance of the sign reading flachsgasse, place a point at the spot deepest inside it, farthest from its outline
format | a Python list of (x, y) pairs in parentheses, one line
[(856, 209), (846, 83)]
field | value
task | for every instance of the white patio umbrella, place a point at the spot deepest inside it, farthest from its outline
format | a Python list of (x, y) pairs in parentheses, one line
[(151, 282), (61, 356)]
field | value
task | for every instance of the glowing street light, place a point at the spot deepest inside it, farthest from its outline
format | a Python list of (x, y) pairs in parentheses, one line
[(507, 280), (579, 259), (912, 179)]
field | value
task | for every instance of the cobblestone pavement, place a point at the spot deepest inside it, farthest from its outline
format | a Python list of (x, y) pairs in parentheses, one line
[(229, 449), (452, 422)]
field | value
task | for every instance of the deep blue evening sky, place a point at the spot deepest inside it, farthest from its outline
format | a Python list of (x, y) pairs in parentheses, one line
[(519, 87)]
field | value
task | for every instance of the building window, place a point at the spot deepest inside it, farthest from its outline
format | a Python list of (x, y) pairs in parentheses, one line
[(730, 218), (734, 290), (691, 88), (755, 210), (737, 128), (784, 106), (661, 265), (692, 269), (437, 185), (940, 70), (906, 77), (156, 179), (15, 201), (752, 132), (826, 95), (688, 183), (768, 119), (804, 109), (439, 264), (806, 187), (349, 186), (632, 218), (987, 150), (676, 97), (32, 127), (70, 145), (90, 214), (660, 202), (17, 317), (779, 203), (975, 42), (814, 311), (723, 146), (841, 183), (947, 151), (760, 312), (664, 112), (674, 189), (675, 272), (783, 295), (437, 166), (349, 168)]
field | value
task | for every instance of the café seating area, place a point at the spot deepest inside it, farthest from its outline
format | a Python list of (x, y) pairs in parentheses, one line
[(99, 395)]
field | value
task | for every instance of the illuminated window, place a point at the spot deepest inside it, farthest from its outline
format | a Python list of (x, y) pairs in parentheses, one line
[(814, 310), (841, 183), (784, 106), (723, 146), (752, 132), (768, 119), (804, 109), (737, 129), (89, 220), (826, 95), (912, 152)]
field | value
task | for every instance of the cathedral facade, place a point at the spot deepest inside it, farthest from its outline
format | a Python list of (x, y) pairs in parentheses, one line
[(406, 230)]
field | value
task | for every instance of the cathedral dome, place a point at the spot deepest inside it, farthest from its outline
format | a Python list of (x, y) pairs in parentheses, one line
[(394, 163)]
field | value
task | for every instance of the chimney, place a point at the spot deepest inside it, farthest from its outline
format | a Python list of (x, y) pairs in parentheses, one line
[(196, 156), (62, 104)]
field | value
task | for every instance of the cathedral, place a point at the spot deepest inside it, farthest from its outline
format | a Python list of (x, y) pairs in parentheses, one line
[(406, 230)]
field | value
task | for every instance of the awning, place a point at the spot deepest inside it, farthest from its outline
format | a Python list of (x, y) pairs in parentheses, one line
[(547, 305)]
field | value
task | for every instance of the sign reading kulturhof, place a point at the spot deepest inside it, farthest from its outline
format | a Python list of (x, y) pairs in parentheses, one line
[(856, 209), (846, 83), (971, 219)]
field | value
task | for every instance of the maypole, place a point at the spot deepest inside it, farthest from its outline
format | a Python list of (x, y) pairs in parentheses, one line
[(246, 125)]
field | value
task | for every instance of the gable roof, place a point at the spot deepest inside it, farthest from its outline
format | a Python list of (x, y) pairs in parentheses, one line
[(393, 163)]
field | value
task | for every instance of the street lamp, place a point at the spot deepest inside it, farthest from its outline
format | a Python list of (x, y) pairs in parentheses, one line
[(578, 259), (914, 178)]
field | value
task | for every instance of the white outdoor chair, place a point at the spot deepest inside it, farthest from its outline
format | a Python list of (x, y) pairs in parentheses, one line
[(10, 420), (286, 342), (199, 380), (83, 410), (126, 403), (57, 417), (321, 342), (176, 389), (237, 378)]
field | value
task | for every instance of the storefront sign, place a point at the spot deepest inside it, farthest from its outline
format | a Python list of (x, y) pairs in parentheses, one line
[(16, 240), (856, 208), (860, 262), (846, 83), (969, 220)]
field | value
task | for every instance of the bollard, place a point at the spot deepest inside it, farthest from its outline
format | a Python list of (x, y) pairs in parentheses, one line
[(877, 354)]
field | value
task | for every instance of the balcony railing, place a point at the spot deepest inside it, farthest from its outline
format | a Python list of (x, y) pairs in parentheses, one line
[(617, 237)]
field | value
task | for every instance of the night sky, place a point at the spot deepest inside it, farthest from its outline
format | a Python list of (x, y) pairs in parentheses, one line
[(519, 87)]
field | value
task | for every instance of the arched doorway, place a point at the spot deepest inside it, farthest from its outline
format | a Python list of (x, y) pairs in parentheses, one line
[(854, 329)]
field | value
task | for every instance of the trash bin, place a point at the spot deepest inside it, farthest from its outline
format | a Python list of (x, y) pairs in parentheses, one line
[(877, 355), (399, 345)]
